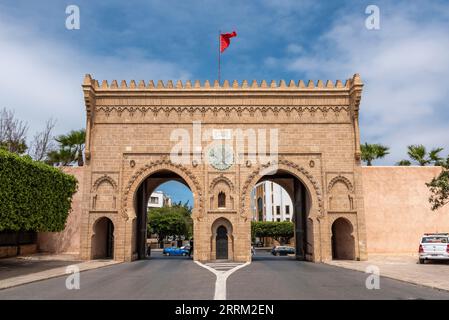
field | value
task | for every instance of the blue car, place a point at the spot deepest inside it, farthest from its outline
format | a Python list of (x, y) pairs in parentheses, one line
[(175, 251)]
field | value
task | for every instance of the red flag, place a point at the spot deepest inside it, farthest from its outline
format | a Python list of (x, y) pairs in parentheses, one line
[(225, 40)]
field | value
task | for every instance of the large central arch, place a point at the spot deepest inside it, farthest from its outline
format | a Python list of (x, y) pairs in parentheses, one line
[(141, 185), (307, 201)]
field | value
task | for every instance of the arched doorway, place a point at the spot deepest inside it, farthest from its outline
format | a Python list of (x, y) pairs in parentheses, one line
[(299, 213), (144, 200), (343, 244), (222, 243), (222, 240), (103, 239)]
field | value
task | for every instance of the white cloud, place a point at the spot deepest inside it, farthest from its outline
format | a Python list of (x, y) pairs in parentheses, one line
[(41, 78), (404, 66)]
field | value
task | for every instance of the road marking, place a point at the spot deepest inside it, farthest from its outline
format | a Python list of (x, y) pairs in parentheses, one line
[(222, 271)]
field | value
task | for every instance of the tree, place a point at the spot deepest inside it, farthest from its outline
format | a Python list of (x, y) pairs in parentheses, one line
[(277, 230), (439, 187), (71, 147), (418, 154), (60, 157), (42, 143), (404, 163), (12, 133), (175, 221), (371, 152)]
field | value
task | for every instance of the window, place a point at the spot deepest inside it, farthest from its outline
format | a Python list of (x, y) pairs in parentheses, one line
[(260, 208), (287, 209), (278, 219), (222, 200), (278, 209), (154, 200), (287, 219)]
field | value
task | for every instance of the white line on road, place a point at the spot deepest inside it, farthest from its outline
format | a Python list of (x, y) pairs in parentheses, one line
[(222, 276)]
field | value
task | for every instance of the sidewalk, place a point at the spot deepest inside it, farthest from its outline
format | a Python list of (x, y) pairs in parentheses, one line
[(403, 268), (21, 270)]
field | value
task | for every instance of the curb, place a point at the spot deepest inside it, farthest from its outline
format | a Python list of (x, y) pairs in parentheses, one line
[(53, 273), (410, 281)]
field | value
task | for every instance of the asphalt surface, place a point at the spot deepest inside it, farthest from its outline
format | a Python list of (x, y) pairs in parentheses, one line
[(158, 278), (178, 278), (14, 267), (284, 278)]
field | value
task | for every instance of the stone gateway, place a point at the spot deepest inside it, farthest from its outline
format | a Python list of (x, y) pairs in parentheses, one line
[(220, 140)]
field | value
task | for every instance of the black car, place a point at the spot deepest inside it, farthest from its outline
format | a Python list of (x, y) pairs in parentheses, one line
[(282, 250)]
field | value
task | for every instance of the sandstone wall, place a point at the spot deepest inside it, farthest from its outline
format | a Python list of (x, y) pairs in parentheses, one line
[(397, 210)]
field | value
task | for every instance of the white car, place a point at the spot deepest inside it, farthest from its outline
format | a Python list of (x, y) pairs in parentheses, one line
[(434, 246)]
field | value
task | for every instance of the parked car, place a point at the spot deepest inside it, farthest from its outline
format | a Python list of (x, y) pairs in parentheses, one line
[(282, 250), (434, 246), (175, 251), (258, 244)]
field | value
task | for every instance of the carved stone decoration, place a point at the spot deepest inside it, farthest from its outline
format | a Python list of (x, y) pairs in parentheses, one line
[(102, 179), (153, 166), (342, 179), (341, 194), (221, 188), (223, 178), (311, 163), (226, 110), (104, 193)]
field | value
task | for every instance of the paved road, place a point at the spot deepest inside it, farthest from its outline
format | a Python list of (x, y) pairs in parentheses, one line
[(163, 278), (175, 278), (269, 277)]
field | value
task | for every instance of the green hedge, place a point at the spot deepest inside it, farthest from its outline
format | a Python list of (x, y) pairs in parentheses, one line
[(272, 229), (33, 195)]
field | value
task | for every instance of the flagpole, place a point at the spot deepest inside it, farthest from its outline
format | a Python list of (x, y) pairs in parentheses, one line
[(219, 57)]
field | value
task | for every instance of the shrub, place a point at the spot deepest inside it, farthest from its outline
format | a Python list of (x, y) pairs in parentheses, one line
[(33, 195)]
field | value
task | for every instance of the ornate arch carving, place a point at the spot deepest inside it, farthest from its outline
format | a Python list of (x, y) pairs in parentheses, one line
[(107, 178), (342, 179), (292, 167), (216, 180), (152, 167)]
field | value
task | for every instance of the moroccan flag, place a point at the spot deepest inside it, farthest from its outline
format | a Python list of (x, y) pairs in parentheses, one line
[(225, 40)]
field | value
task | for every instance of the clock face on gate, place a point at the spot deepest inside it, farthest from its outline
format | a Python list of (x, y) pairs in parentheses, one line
[(221, 156)]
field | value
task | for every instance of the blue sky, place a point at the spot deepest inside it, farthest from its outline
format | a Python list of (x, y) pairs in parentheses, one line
[(177, 192), (404, 65)]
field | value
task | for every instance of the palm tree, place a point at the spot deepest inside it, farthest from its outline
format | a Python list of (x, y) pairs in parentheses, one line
[(404, 163), (74, 142), (371, 152), (418, 153), (61, 157)]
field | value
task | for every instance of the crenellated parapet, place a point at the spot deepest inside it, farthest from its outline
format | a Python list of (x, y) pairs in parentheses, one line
[(225, 85)]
